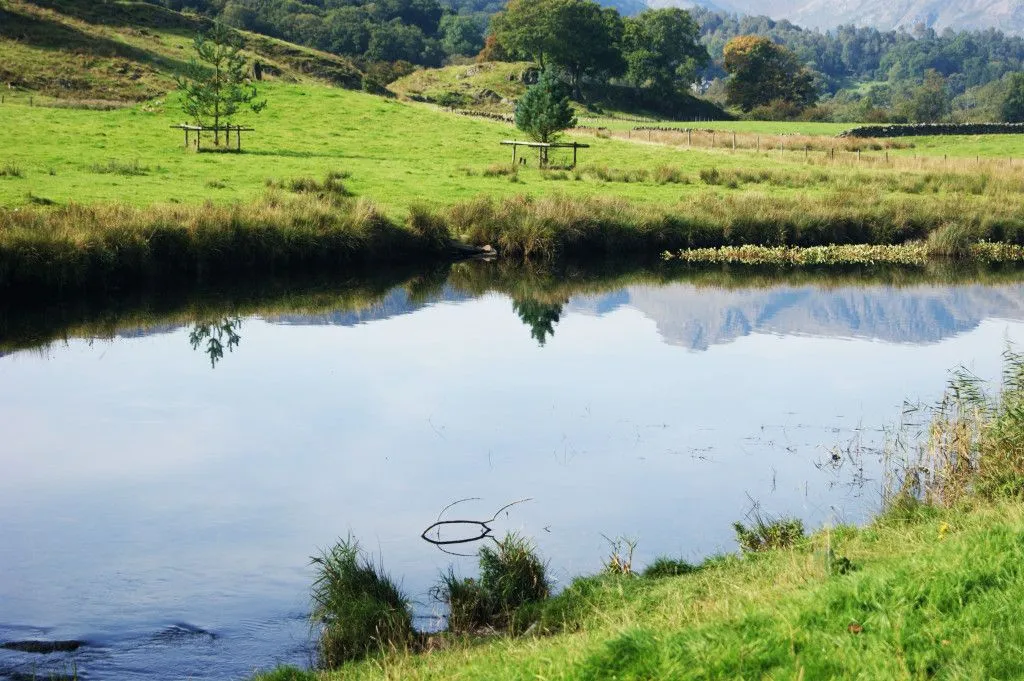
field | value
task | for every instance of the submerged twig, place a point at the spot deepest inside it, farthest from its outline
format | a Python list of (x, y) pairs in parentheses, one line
[(483, 527)]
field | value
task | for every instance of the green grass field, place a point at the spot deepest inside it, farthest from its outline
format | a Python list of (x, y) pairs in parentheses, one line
[(397, 154)]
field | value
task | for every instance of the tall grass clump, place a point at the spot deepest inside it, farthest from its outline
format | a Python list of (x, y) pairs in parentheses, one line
[(974, 445), (512, 576), (766, 534), (469, 607), (668, 567), (429, 225), (952, 240), (124, 168), (359, 609), (331, 187), (11, 170)]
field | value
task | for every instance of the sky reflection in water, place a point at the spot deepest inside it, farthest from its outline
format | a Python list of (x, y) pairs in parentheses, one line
[(147, 499)]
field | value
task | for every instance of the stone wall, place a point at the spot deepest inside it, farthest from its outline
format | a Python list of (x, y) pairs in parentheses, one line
[(927, 129)]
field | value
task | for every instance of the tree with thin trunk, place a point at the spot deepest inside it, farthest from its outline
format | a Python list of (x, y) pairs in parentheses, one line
[(218, 88)]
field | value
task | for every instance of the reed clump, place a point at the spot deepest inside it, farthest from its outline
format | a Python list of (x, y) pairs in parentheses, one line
[(974, 444), (358, 608)]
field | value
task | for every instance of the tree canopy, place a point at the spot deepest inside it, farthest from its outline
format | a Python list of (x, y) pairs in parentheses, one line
[(762, 72), (662, 49), (1013, 104)]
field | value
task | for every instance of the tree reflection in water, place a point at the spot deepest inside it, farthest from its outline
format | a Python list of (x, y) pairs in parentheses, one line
[(541, 317), (216, 336)]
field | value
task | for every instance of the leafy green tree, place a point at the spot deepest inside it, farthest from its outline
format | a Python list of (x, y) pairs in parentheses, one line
[(762, 72), (220, 87), (585, 41), (544, 111), (461, 35), (1013, 105), (662, 49), (526, 28), (575, 35), (930, 102)]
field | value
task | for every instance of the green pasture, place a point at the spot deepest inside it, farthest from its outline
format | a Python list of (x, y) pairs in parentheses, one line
[(397, 153)]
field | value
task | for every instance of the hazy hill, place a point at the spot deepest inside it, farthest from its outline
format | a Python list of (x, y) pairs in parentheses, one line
[(1005, 15)]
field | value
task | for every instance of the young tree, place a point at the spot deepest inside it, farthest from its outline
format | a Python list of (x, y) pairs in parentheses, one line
[(1013, 105), (544, 111), (662, 49), (763, 72), (216, 90)]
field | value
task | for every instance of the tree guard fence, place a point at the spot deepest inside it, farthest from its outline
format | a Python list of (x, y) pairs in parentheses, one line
[(542, 150)]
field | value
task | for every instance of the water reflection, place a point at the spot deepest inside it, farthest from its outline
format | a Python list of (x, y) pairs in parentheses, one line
[(666, 400), (541, 317), (215, 337)]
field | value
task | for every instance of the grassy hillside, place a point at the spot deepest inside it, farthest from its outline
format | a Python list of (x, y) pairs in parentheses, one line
[(494, 86), (120, 51)]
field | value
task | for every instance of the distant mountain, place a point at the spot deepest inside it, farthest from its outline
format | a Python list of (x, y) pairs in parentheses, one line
[(1005, 15)]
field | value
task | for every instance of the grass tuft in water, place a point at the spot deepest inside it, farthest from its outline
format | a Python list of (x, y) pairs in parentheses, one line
[(766, 534), (359, 609)]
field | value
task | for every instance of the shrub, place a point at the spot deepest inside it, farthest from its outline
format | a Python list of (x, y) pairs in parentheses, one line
[(765, 534), (668, 567), (358, 607)]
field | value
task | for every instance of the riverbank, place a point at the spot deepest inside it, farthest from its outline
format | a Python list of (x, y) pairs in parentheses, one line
[(315, 226), (929, 588), (931, 593)]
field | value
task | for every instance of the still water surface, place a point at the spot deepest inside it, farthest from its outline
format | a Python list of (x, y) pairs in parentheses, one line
[(163, 511)]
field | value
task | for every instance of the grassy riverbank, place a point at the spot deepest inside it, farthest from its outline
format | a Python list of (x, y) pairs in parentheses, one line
[(106, 199), (314, 224), (930, 596), (927, 590)]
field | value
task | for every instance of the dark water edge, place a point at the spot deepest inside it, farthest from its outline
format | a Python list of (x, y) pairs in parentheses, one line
[(27, 323)]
